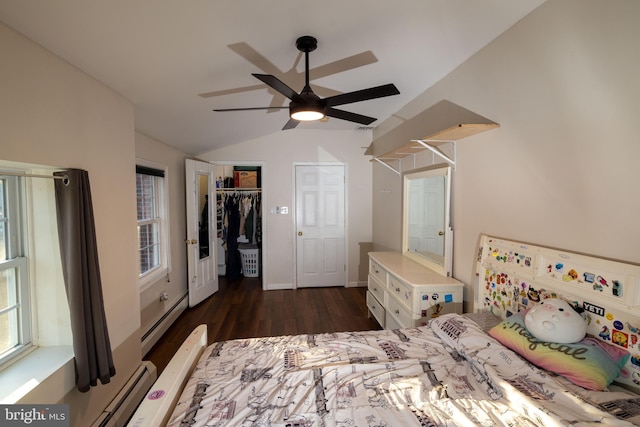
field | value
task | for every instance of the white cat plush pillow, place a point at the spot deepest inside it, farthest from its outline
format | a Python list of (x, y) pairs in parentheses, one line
[(554, 320)]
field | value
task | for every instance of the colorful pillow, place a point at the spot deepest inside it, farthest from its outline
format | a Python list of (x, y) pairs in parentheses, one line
[(590, 363)]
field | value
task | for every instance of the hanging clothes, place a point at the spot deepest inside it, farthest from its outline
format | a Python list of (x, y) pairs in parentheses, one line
[(258, 221), (249, 225), (240, 219), (245, 207), (234, 262)]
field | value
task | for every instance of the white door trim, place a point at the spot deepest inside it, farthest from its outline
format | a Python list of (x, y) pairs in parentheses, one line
[(264, 199), (199, 269), (294, 224)]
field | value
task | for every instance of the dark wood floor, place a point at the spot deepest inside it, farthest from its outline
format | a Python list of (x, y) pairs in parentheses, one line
[(243, 310)]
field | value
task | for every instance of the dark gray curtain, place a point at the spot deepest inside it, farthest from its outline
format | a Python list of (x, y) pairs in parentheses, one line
[(93, 358)]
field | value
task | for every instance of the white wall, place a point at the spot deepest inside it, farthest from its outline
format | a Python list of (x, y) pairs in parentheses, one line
[(279, 152), (560, 171), (152, 308), (562, 168), (53, 114)]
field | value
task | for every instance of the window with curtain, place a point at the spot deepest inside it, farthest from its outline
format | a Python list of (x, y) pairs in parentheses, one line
[(15, 320), (152, 223)]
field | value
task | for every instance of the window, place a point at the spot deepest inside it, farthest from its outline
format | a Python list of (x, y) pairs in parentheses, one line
[(35, 325), (15, 319), (152, 223)]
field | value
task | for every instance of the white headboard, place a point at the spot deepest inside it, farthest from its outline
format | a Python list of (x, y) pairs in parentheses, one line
[(513, 276)]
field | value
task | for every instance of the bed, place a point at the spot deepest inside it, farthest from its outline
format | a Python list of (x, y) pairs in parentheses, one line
[(457, 370)]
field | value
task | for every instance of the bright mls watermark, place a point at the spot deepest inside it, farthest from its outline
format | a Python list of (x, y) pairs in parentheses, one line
[(34, 415)]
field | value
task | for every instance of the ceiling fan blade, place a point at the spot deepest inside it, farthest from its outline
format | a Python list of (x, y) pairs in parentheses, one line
[(230, 91), (290, 124), (249, 108), (257, 59), (253, 56), (278, 85), (346, 115), (342, 65), (362, 95), (324, 91)]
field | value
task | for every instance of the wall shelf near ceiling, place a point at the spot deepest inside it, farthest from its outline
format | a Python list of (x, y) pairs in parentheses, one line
[(442, 123), (433, 142)]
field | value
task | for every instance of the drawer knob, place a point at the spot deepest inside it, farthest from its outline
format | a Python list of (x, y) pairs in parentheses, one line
[(398, 290), (375, 289), (397, 311), (376, 271)]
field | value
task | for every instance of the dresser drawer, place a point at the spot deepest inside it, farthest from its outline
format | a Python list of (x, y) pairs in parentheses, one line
[(409, 293), (376, 288), (436, 300), (376, 308), (401, 290), (378, 272), (392, 323), (399, 312)]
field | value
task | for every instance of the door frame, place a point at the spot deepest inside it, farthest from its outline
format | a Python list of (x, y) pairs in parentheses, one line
[(264, 253), (294, 221), (193, 167)]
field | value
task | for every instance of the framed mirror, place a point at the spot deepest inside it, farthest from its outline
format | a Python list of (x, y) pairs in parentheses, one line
[(426, 233), (204, 236)]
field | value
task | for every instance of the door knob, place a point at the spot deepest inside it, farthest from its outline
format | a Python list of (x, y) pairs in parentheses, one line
[(299, 233), (440, 233)]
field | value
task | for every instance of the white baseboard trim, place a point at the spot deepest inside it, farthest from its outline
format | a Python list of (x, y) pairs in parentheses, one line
[(278, 286), (357, 285), (156, 331)]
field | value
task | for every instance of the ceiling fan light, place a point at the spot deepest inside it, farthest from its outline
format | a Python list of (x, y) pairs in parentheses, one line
[(308, 109), (307, 115)]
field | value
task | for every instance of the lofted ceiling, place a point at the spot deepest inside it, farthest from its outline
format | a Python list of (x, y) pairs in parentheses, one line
[(177, 61)]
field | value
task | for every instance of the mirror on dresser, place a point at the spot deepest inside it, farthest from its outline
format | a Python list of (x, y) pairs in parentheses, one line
[(427, 237)]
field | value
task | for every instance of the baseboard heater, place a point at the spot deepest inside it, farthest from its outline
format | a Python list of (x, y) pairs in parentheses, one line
[(127, 400), (160, 327)]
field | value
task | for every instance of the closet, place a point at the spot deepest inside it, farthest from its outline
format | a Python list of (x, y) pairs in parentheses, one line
[(239, 220)]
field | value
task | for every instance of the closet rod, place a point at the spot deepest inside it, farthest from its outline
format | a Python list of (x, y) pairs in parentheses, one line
[(65, 179)]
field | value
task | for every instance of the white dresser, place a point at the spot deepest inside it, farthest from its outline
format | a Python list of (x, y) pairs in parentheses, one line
[(403, 293)]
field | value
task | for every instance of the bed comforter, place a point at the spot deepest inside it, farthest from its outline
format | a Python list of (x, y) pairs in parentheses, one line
[(449, 373)]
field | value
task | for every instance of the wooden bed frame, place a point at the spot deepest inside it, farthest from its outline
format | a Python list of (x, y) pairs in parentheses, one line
[(532, 268)]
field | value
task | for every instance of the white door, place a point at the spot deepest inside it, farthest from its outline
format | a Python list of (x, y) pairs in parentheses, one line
[(435, 213), (201, 230), (320, 226), (427, 217)]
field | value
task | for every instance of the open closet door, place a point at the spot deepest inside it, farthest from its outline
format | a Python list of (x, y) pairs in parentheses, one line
[(201, 230)]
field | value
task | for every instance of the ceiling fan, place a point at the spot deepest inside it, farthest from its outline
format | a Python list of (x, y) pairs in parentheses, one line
[(307, 106)]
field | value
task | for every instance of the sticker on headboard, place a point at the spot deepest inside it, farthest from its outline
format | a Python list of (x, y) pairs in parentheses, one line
[(595, 278), (505, 293), (511, 257), (514, 276), (584, 277)]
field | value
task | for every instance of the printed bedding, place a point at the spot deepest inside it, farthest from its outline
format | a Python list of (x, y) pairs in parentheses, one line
[(449, 373)]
